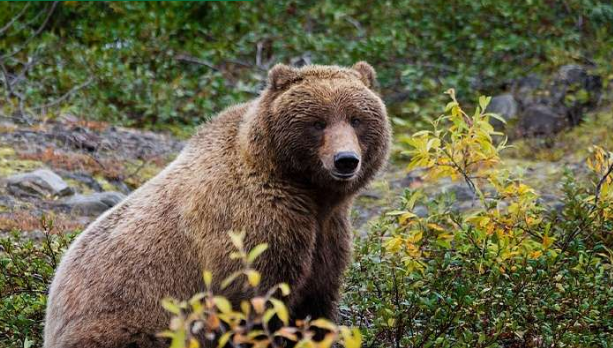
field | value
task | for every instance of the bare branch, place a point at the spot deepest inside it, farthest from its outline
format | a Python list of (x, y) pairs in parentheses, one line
[(14, 19), (50, 11), (190, 59), (7, 82), (65, 96)]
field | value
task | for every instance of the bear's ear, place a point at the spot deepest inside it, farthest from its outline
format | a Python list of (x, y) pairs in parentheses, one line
[(280, 76), (367, 73)]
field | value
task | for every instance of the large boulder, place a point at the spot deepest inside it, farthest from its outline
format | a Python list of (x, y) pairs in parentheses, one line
[(526, 90), (577, 89), (548, 106), (39, 183), (93, 204), (541, 120)]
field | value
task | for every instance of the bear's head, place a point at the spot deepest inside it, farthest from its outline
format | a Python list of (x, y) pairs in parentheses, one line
[(323, 125)]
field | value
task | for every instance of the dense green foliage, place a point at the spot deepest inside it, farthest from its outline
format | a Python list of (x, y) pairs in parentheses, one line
[(177, 63), (27, 269)]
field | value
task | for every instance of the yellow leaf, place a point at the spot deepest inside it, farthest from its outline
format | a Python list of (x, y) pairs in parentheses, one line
[(245, 307), (406, 216), (281, 310), (224, 339), (285, 290), (305, 343), (327, 342), (415, 236), (436, 227), (193, 343), (547, 241), (222, 304), (166, 334), (288, 332), (253, 277), (178, 341), (352, 338), (208, 278), (268, 315), (324, 324)]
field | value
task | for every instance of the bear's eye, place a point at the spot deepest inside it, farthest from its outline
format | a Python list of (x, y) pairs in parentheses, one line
[(355, 121), (319, 125)]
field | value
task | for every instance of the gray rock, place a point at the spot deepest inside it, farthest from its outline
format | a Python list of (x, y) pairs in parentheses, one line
[(6, 203), (505, 106), (94, 204), (572, 74), (541, 120), (577, 89), (465, 206), (39, 183), (83, 178), (461, 192), (421, 211), (526, 88)]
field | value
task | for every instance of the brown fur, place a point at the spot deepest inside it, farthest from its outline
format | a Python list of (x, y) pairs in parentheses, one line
[(261, 167)]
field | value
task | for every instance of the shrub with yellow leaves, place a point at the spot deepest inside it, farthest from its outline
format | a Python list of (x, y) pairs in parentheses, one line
[(503, 271), (209, 320), (461, 146)]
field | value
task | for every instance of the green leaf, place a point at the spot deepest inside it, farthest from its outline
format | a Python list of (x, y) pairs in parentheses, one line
[(257, 251), (484, 101), (231, 278), (171, 306)]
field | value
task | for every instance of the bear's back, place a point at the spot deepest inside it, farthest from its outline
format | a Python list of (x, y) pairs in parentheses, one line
[(142, 241)]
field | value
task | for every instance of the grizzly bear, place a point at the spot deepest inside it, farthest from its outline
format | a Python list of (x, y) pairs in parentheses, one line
[(284, 168)]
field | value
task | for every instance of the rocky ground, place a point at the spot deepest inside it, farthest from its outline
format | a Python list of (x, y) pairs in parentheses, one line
[(73, 170)]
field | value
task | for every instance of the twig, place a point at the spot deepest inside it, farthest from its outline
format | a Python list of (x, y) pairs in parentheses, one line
[(65, 96), (50, 11), (356, 24), (601, 182), (10, 23), (10, 91), (7, 82), (190, 59)]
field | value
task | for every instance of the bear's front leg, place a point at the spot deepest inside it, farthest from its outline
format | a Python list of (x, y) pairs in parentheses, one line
[(319, 296), (289, 255)]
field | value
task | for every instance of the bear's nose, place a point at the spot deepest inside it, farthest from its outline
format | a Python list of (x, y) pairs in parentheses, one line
[(346, 162)]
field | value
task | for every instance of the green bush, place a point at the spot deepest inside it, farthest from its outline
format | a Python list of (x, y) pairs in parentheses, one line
[(160, 64), (27, 269)]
